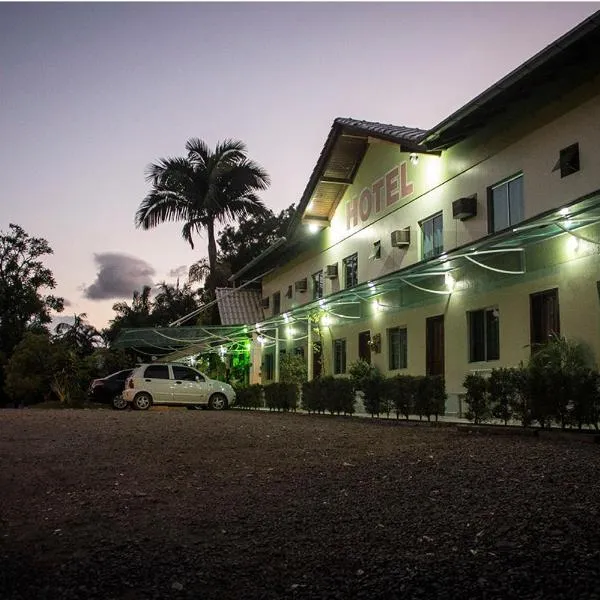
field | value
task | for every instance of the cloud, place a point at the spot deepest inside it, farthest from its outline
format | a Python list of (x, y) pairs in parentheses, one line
[(118, 276), (178, 272)]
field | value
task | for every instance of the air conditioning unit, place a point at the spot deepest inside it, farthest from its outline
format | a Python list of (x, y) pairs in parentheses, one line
[(301, 285), (331, 271), (401, 237), (265, 302), (464, 208)]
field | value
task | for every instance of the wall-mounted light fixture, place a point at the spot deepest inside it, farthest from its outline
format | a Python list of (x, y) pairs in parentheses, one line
[(414, 158)]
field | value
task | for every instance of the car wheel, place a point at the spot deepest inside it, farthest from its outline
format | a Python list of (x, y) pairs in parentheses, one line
[(217, 402), (119, 403), (142, 401)]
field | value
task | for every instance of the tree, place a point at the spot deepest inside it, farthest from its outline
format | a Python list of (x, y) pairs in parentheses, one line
[(253, 235), (79, 335), (22, 277), (201, 189), (136, 315), (173, 302)]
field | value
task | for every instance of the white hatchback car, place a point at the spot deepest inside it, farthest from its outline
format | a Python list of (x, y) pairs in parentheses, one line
[(165, 383)]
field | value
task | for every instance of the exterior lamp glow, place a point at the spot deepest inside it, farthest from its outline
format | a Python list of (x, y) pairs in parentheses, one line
[(286, 317), (312, 228), (326, 320), (449, 281), (573, 243), (261, 340), (563, 212)]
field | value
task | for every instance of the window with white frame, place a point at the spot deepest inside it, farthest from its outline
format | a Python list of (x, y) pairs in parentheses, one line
[(484, 334), (505, 204), (433, 236), (398, 348), (339, 356)]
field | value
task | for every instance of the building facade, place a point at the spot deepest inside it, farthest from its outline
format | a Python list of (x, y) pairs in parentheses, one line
[(452, 250)]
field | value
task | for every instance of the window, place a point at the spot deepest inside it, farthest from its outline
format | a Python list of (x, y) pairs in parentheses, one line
[(157, 372), (545, 320), (505, 204), (185, 374), (351, 271), (364, 346), (269, 367), (398, 348), (276, 303), (376, 252), (289, 292), (317, 282), (339, 356), (484, 334), (433, 236), (568, 161)]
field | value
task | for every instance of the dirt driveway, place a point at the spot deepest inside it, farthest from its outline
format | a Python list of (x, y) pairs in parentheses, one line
[(199, 504)]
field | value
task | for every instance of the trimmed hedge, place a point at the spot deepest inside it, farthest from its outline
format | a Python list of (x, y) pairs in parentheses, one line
[(281, 396), (250, 396), (328, 394)]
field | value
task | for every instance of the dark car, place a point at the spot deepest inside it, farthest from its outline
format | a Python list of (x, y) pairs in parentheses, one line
[(108, 390)]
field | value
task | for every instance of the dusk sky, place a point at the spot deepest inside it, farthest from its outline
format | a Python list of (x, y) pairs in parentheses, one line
[(92, 93)]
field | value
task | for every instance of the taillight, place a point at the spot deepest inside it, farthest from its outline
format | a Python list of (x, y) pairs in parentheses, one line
[(130, 384)]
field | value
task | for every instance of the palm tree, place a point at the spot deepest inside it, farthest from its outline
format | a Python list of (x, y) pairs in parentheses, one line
[(201, 189), (79, 334)]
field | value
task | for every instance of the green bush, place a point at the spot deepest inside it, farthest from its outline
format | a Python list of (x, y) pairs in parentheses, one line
[(281, 396), (430, 396), (503, 394), (557, 372), (401, 391), (313, 399), (369, 380), (477, 398), (339, 395), (249, 396)]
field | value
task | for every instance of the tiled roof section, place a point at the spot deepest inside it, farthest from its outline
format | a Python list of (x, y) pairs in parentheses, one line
[(238, 307), (401, 133)]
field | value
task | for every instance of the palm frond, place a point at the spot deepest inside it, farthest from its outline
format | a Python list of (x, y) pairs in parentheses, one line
[(160, 206)]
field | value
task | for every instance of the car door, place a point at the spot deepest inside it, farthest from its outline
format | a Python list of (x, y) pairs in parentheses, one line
[(189, 386), (157, 382)]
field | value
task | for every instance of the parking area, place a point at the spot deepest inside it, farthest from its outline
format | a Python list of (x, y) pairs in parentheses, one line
[(202, 504)]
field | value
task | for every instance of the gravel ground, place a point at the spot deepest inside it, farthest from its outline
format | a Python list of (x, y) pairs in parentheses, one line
[(199, 504)]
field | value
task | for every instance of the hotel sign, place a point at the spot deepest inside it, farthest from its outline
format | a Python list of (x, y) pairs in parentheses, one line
[(383, 192)]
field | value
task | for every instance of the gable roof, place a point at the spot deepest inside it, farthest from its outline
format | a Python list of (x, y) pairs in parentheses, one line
[(239, 306), (338, 163)]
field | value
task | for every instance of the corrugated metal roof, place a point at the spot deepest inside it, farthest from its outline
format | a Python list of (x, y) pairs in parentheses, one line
[(399, 132), (239, 306)]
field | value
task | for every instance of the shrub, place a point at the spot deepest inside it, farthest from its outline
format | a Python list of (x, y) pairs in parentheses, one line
[(368, 379), (502, 389), (281, 396), (312, 396), (430, 396), (250, 396), (402, 390), (556, 372), (477, 397), (338, 395), (292, 369)]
